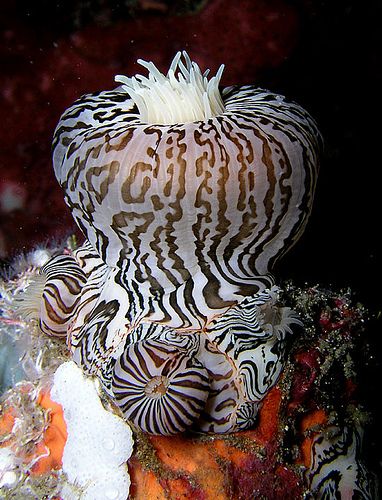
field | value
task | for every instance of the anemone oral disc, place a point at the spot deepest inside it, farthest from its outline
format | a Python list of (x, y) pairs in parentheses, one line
[(183, 95)]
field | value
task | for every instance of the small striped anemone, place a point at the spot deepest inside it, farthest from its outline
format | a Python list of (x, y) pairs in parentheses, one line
[(187, 196)]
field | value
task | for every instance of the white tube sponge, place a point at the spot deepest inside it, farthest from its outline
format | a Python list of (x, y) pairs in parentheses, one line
[(99, 443)]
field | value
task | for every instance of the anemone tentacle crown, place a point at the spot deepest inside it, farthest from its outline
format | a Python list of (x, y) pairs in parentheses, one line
[(187, 196)]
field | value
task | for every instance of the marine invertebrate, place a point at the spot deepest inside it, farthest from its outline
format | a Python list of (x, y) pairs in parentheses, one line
[(99, 442), (337, 464), (159, 386), (293, 429), (201, 208), (46, 432), (51, 297), (187, 197)]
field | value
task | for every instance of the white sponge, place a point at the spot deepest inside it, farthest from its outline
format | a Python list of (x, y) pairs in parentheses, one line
[(99, 443)]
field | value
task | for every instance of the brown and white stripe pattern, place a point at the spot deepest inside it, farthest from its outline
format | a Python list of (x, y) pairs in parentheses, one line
[(337, 469), (160, 387), (184, 223), (193, 215), (64, 280)]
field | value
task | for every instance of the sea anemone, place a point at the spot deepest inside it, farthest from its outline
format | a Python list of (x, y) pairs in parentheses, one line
[(193, 213), (187, 197)]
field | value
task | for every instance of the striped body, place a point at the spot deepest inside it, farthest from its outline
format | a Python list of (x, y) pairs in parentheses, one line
[(195, 215), (184, 223), (239, 356), (161, 388), (337, 469)]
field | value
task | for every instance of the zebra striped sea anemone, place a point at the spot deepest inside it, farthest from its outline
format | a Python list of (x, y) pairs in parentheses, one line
[(160, 388), (195, 206), (52, 296), (187, 196)]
